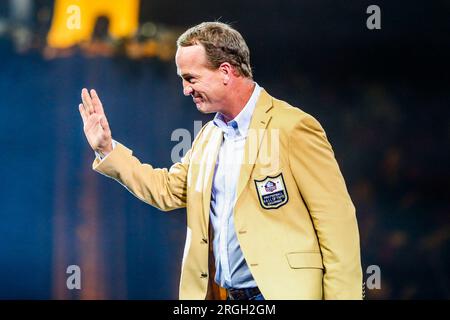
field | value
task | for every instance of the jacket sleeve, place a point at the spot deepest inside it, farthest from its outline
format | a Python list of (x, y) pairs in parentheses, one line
[(161, 188), (323, 189)]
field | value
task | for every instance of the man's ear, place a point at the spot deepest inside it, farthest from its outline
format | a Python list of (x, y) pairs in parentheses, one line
[(227, 71)]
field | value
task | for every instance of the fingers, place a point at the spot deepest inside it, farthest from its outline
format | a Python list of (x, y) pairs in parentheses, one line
[(82, 113), (98, 107), (87, 101)]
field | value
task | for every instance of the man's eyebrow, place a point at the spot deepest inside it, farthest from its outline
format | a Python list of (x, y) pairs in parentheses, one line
[(187, 75)]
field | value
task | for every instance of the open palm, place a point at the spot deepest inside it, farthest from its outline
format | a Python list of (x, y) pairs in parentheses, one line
[(95, 124)]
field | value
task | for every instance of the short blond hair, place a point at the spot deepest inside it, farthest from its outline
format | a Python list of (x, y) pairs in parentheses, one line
[(222, 44)]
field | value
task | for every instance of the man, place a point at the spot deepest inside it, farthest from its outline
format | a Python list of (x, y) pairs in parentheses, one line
[(261, 185)]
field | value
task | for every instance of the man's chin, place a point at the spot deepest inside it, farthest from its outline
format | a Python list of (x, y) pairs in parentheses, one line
[(203, 108)]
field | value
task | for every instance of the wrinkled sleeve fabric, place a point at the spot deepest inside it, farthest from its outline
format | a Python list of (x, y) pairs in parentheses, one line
[(165, 189)]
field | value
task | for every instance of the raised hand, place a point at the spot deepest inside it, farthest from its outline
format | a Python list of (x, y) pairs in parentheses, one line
[(95, 124)]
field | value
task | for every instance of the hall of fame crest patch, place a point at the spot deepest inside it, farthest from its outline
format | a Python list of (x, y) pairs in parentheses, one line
[(272, 192)]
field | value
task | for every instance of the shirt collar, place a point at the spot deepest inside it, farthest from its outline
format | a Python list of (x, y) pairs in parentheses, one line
[(240, 124)]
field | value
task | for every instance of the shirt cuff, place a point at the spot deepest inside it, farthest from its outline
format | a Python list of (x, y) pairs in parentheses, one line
[(102, 157)]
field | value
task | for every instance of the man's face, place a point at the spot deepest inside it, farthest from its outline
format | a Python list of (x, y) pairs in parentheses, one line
[(206, 86)]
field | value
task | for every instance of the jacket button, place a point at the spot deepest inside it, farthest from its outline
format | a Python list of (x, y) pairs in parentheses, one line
[(204, 240), (203, 275)]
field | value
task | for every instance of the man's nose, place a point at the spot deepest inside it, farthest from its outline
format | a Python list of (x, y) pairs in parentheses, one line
[(187, 90)]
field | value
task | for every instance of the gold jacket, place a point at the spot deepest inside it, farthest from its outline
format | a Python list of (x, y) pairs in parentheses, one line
[(294, 218)]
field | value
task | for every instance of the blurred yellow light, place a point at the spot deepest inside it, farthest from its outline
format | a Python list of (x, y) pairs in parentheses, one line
[(74, 20)]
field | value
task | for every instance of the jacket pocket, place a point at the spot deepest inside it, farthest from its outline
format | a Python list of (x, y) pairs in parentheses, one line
[(299, 260)]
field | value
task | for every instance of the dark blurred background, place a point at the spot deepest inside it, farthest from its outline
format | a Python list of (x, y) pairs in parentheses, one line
[(381, 95)]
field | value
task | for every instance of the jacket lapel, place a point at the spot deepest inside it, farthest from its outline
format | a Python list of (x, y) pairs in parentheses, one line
[(260, 120), (256, 132), (208, 166)]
